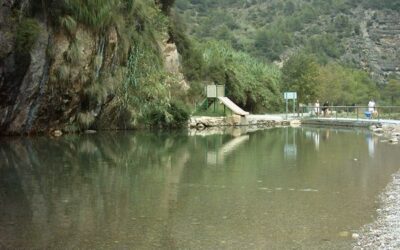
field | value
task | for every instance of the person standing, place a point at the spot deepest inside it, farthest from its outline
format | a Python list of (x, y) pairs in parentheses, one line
[(371, 107), (325, 108), (316, 108)]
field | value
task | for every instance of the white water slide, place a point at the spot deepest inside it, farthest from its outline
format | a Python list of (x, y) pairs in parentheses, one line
[(232, 106)]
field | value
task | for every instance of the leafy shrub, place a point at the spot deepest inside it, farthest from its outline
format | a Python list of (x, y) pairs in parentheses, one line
[(250, 83), (176, 116)]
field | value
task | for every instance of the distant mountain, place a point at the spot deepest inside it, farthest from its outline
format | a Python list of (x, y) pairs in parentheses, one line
[(363, 34)]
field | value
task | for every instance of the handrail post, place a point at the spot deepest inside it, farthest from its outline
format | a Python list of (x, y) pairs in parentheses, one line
[(377, 110), (336, 111), (357, 112)]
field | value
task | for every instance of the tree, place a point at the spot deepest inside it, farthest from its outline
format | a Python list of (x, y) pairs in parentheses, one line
[(345, 86), (299, 74), (392, 91), (270, 43)]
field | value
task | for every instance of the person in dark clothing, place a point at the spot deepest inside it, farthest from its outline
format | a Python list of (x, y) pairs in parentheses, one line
[(325, 108)]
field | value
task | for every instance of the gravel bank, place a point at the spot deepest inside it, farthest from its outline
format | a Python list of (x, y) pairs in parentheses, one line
[(384, 233)]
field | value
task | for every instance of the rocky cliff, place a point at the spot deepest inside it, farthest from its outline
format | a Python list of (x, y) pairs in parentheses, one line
[(377, 48), (58, 72)]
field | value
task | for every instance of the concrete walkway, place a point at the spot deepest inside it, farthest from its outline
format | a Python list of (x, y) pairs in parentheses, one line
[(307, 119)]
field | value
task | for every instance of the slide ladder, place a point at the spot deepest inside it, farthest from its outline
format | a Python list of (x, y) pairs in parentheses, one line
[(232, 106)]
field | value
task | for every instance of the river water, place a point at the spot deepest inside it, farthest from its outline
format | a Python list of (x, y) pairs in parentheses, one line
[(283, 188)]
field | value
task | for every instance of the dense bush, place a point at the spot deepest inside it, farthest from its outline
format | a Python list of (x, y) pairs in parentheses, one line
[(250, 83), (299, 74), (345, 86), (176, 116), (271, 43), (192, 60)]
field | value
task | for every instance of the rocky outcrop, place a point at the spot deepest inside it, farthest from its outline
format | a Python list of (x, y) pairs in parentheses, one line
[(69, 78), (391, 132), (172, 61), (377, 48)]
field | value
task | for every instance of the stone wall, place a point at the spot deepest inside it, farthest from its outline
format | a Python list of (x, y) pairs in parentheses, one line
[(235, 120)]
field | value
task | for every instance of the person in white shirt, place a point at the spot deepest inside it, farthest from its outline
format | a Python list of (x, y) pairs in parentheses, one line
[(316, 108), (371, 107)]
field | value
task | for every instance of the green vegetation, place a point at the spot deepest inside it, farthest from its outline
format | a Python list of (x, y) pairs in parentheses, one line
[(300, 75), (345, 86), (266, 29), (382, 4), (27, 32), (272, 30), (98, 14), (308, 37), (138, 82), (392, 92), (249, 82), (192, 59)]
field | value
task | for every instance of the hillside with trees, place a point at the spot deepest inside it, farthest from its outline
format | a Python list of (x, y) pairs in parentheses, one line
[(360, 34)]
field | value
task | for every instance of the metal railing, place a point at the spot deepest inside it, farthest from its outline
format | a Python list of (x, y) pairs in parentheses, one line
[(351, 112)]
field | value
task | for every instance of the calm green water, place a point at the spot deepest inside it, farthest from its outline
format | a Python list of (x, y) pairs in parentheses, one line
[(285, 188)]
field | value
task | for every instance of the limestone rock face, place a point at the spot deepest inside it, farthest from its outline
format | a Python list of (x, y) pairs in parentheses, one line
[(34, 96), (172, 62), (24, 111), (377, 48), (67, 78)]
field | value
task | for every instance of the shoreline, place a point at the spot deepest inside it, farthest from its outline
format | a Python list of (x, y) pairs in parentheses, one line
[(384, 232)]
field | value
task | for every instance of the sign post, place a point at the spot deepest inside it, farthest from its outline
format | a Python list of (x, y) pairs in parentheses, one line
[(290, 96)]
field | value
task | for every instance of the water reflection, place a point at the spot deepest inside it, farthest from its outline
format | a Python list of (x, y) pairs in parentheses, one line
[(87, 191), (217, 154), (279, 188), (371, 141), (290, 148)]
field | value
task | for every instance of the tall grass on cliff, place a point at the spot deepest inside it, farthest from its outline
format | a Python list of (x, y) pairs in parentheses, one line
[(27, 32), (97, 14), (146, 90), (142, 94)]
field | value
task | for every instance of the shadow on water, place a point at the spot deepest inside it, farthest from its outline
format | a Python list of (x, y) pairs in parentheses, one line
[(278, 188)]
